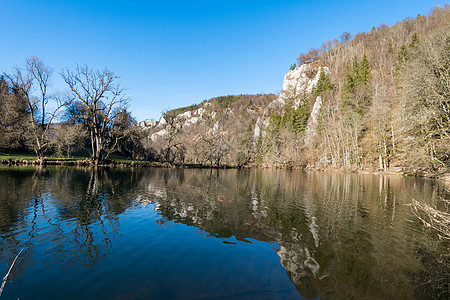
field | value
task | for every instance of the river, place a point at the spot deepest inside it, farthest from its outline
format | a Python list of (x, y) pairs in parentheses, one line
[(150, 233)]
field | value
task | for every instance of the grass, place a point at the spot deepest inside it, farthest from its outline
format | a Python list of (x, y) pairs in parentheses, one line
[(32, 157), (114, 158), (14, 156)]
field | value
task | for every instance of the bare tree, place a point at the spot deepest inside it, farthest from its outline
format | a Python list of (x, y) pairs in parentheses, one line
[(345, 37), (12, 117), (99, 102), (68, 137), (173, 146), (424, 93), (310, 56), (42, 107)]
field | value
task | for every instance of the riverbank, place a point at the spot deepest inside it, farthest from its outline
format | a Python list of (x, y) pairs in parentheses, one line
[(441, 174), (19, 160)]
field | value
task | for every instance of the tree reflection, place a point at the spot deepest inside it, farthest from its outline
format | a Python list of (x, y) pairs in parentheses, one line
[(15, 196), (73, 209), (339, 234), (93, 198)]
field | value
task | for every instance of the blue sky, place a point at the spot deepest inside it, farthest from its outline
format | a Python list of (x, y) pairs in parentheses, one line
[(175, 53)]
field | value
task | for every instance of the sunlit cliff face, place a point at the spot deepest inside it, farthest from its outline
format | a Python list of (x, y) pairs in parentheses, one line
[(297, 83)]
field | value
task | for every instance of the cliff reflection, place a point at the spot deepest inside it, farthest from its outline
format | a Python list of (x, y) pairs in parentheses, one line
[(340, 235)]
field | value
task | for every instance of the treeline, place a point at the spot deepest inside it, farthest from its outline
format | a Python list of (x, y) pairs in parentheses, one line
[(221, 134), (385, 103), (91, 114), (382, 100)]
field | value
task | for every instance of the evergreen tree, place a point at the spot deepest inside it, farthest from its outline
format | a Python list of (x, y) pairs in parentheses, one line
[(288, 116), (414, 41), (323, 84), (402, 58), (356, 82), (348, 89), (402, 55), (301, 116), (364, 70), (275, 122)]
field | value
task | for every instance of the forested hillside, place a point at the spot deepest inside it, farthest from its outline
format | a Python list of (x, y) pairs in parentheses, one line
[(389, 99), (379, 99), (216, 132)]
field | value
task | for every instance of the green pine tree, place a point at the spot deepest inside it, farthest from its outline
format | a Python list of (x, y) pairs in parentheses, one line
[(323, 84), (414, 41), (364, 70), (301, 116), (402, 58), (275, 122), (348, 89), (287, 117), (402, 55)]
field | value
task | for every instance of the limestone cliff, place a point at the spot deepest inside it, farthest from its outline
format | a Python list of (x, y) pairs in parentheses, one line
[(208, 132)]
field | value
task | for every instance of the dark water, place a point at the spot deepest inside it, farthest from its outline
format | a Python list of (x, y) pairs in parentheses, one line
[(228, 234)]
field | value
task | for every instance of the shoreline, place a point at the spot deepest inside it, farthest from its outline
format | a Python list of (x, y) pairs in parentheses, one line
[(442, 174)]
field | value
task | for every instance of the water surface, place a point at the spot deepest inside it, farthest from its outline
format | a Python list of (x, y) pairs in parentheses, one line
[(217, 234)]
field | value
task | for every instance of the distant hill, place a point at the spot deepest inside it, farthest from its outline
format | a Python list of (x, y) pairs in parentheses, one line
[(378, 100)]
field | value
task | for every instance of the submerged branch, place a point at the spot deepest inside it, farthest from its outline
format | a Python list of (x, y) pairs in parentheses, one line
[(9, 271), (432, 218)]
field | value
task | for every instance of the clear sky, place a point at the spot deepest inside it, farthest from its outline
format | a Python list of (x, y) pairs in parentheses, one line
[(176, 53)]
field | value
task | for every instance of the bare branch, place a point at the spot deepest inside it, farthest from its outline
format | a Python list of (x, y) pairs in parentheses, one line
[(9, 271)]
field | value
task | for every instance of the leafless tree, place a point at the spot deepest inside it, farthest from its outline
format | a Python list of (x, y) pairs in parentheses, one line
[(424, 91), (42, 106), (345, 37), (173, 147), (98, 103), (68, 137), (311, 55)]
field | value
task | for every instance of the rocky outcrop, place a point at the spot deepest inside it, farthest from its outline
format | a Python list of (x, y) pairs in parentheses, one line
[(298, 84), (232, 126)]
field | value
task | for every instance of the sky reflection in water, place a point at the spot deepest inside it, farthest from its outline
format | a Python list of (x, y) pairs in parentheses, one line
[(227, 234)]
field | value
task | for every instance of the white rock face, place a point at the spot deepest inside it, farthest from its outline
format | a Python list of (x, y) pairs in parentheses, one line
[(185, 119), (200, 111), (158, 134), (216, 127), (256, 133), (185, 115), (277, 103), (298, 82), (192, 121), (313, 119), (315, 111), (162, 122)]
